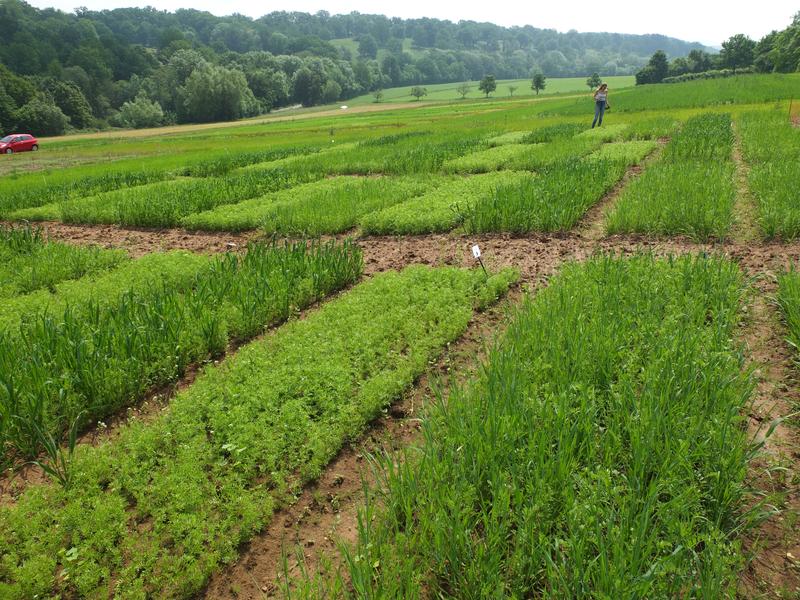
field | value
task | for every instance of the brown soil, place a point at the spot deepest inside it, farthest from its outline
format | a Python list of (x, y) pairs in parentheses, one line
[(143, 241), (773, 547), (744, 229)]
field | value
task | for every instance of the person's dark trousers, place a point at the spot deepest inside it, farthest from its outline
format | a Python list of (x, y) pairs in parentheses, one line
[(599, 111)]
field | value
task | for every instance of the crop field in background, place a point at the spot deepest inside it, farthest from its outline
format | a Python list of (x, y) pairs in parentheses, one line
[(260, 359), (449, 91)]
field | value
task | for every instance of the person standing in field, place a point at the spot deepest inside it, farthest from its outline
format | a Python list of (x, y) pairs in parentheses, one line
[(600, 103)]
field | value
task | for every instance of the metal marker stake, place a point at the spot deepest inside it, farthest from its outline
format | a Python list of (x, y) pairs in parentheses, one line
[(476, 252)]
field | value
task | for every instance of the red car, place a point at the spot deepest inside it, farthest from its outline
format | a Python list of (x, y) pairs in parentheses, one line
[(18, 142)]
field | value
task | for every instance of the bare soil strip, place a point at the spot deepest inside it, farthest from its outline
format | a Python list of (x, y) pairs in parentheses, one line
[(139, 242), (773, 548), (745, 229)]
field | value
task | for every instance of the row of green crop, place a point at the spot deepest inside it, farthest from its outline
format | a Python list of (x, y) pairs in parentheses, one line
[(494, 158), (331, 205), (554, 200), (389, 155), (438, 210), (155, 511), (689, 191), (771, 146), (163, 204), (508, 201), (51, 187), (176, 270), (29, 261), (182, 201), (600, 453), (89, 359)]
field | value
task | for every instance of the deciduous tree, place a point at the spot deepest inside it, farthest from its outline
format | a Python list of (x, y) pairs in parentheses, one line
[(488, 84), (594, 81), (737, 51), (539, 82), (418, 92)]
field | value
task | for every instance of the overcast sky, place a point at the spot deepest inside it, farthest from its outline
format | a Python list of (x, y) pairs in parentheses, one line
[(706, 21)]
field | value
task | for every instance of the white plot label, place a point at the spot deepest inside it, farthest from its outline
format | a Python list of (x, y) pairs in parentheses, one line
[(476, 251)]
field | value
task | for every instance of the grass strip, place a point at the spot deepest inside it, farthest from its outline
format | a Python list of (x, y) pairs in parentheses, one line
[(551, 133), (29, 261), (772, 148), (175, 269), (628, 153), (388, 155), (553, 201), (484, 161), (91, 360), (604, 133), (440, 210), (557, 151), (340, 207), (600, 453), (690, 190), (164, 204), (155, 511), (789, 301), (52, 187), (321, 199), (511, 137)]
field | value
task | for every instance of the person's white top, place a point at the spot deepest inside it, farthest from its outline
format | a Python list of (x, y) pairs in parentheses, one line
[(600, 96)]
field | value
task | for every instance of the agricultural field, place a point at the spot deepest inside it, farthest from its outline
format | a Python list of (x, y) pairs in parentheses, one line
[(448, 92), (468, 349)]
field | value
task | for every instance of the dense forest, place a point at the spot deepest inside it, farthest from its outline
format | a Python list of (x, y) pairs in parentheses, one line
[(143, 67), (776, 52)]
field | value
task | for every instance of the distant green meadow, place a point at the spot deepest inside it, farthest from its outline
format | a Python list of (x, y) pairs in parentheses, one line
[(443, 92)]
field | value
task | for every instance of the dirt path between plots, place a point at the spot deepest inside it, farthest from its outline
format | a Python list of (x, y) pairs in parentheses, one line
[(774, 546), (139, 242), (326, 513), (744, 228)]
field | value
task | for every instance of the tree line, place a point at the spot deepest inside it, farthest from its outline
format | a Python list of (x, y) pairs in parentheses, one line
[(776, 52), (140, 67)]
